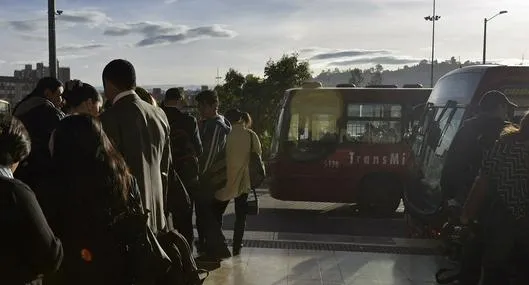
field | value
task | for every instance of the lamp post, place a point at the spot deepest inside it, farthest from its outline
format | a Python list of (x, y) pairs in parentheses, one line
[(432, 18), (51, 39), (485, 33)]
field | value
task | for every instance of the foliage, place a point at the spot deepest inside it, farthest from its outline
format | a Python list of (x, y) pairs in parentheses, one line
[(357, 76), (261, 97)]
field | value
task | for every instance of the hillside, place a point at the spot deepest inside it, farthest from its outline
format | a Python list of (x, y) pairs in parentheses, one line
[(419, 73)]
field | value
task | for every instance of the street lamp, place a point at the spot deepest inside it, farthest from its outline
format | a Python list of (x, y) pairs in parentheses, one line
[(485, 33), (51, 38), (432, 18)]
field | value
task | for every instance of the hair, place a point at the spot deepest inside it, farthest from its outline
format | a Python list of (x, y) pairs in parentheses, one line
[(121, 73), (85, 157), (233, 115), (173, 94), (145, 96), (247, 119), (46, 83), (521, 131), (15, 144), (78, 92), (208, 97)]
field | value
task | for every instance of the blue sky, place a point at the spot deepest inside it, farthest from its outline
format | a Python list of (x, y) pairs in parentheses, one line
[(185, 41)]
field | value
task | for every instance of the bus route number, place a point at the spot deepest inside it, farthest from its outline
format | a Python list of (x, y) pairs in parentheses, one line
[(331, 164)]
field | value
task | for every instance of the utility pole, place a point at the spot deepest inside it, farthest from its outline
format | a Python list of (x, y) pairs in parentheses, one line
[(51, 39), (432, 18)]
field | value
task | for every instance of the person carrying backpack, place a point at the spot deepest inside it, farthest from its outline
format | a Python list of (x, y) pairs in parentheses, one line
[(186, 148), (471, 143)]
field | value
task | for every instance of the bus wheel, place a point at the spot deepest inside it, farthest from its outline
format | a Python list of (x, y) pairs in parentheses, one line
[(380, 195)]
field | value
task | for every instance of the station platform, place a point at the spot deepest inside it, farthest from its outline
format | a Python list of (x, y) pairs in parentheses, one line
[(269, 266), (309, 259)]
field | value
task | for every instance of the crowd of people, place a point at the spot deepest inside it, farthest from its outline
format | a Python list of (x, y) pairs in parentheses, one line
[(72, 162)]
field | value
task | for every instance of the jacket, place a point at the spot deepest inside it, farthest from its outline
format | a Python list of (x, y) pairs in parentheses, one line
[(28, 245), (140, 132), (238, 149), (213, 133), (463, 161), (40, 117)]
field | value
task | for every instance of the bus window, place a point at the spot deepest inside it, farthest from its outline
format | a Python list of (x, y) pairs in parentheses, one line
[(374, 123), (4, 107)]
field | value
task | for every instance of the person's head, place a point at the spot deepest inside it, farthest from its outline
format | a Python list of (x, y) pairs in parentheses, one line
[(208, 103), (495, 103), (82, 98), (83, 153), (118, 76), (145, 96), (174, 97), (51, 89), (247, 119), (234, 116), (15, 143)]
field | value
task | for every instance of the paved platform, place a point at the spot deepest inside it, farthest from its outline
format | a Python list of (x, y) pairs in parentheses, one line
[(266, 266)]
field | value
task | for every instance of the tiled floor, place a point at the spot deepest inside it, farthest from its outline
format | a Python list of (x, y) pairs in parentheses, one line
[(261, 266)]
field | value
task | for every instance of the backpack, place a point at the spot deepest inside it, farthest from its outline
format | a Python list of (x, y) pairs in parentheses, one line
[(184, 270)]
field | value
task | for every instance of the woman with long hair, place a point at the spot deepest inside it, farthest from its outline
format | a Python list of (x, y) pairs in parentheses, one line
[(93, 187), (240, 143), (82, 98), (501, 194)]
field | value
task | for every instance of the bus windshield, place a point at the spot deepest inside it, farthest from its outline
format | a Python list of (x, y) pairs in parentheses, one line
[(314, 117)]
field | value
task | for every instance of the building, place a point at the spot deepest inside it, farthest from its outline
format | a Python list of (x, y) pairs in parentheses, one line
[(14, 88), (28, 73)]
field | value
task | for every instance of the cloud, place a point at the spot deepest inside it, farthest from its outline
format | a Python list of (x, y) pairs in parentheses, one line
[(79, 47), (390, 60), (24, 25), (156, 33), (32, 37), (86, 17), (347, 53), (148, 29), (170, 1)]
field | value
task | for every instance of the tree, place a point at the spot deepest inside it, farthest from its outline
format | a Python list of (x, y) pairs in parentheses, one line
[(230, 92), (357, 77), (376, 77)]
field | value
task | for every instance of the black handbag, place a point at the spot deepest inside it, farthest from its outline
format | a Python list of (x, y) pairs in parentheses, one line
[(144, 257), (252, 204), (256, 167)]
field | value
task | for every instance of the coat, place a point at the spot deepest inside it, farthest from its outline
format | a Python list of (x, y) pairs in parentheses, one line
[(140, 132), (238, 149)]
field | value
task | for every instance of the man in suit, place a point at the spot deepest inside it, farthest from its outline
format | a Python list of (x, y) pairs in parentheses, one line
[(140, 132), (186, 147)]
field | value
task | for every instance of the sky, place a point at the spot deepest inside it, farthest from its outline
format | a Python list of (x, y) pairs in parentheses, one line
[(184, 42)]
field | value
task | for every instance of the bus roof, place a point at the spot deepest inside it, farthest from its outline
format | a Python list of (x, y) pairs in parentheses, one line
[(465, 85), (375, 95)]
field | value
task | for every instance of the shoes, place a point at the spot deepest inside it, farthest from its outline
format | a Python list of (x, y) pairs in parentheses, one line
[(237, 249)]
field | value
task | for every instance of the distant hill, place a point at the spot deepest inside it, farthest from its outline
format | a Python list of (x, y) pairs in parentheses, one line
[(419, 73)]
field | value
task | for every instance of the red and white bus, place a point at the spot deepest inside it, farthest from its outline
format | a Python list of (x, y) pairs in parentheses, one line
[(343, 145)]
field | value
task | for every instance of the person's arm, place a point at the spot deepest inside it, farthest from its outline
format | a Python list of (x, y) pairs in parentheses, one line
[(479, 190), (197, 142), (256, 144), (43, 249)]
